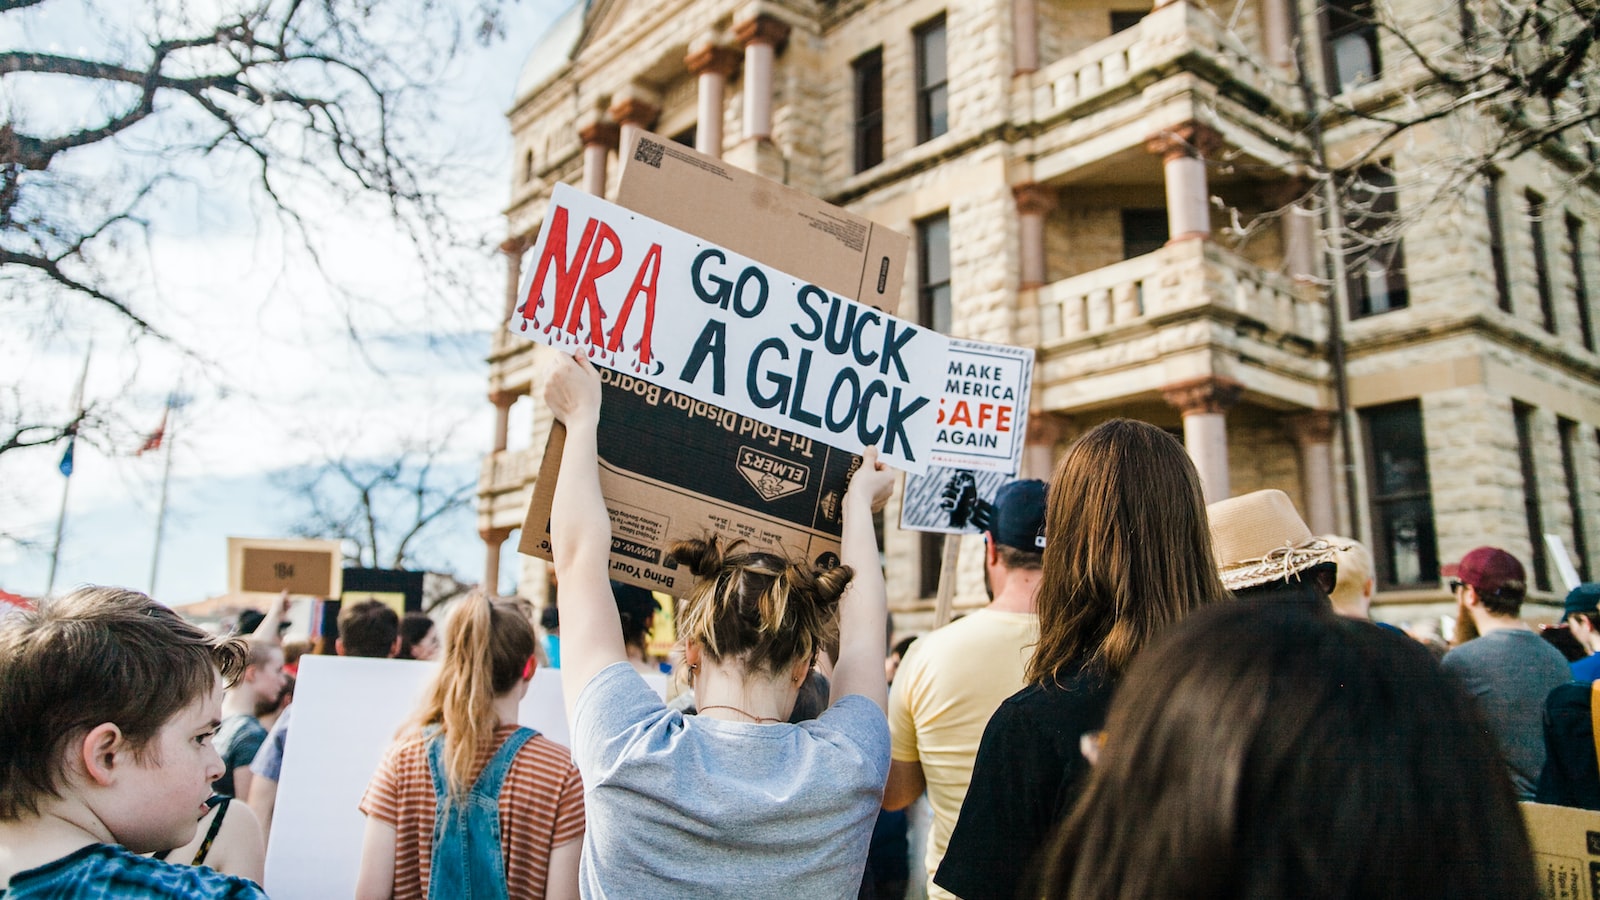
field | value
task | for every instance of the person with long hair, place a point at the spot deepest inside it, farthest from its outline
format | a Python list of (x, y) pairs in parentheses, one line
[(1127, 553), (735, 801), (466, 802), (1276, 750)]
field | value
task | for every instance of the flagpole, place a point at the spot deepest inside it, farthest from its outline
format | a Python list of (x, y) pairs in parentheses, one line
[(66, 476), (169, 432)]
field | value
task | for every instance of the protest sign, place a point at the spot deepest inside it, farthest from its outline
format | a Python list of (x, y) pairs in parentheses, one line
[(982, 419), (672, 467), (311, 568), (641, 297), (948, 500), (346, 712)]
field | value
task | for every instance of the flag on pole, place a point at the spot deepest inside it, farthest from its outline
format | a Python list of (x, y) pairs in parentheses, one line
[(153, 440), (66, 458)]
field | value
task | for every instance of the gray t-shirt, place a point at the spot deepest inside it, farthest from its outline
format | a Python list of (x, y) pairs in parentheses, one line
[(1511, 672), (695, 807)]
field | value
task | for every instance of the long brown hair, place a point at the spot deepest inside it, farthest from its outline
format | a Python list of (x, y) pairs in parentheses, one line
[(1127, 549), (487, 645), (756, 607), (1274, 750)]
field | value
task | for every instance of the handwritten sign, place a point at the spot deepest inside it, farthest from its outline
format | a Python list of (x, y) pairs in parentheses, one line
[(644, 298)]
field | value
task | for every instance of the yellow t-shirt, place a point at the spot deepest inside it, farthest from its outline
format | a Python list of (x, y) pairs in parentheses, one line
[(949, 684)]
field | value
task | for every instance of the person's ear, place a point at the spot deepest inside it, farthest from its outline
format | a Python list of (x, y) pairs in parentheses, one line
[(394, 649), (991, 551), (799, 671), (691, 653), (99, 752), (529, 667), (338, 646)]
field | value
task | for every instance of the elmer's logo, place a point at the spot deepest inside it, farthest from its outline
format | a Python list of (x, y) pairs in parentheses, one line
[(770, 476)]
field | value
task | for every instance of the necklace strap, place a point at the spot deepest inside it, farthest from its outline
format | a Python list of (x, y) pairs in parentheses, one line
[(751, 716)]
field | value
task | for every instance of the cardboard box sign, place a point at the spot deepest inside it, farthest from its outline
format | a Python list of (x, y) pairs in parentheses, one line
[(1566, 850), (307, 568)]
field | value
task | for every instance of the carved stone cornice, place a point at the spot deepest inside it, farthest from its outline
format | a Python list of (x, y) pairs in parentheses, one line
[(1212, 394), (1192, 139)]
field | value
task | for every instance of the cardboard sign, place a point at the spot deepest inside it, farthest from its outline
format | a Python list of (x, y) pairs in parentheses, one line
[(307, 568), (945, 500), (672, 467), (346, 713), (983, 414), (1566, 850), (644, 298)]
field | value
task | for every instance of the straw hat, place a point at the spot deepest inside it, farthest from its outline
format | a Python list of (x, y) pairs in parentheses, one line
[(1258, 537)]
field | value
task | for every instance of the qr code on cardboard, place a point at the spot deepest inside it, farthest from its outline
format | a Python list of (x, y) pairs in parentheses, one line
[(648, 152)]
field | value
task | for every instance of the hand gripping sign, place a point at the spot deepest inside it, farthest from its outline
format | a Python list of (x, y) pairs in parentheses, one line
[(642, 297)]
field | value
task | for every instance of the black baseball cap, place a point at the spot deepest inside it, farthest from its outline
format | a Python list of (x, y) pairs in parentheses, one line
[(1017, 519)]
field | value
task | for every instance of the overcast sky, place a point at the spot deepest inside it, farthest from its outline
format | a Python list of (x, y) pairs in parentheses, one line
[(281, 381)]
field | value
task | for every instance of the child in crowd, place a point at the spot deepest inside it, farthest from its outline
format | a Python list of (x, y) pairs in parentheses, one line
[(1277, 750), (735, 801), (466, 803), (108, 705)]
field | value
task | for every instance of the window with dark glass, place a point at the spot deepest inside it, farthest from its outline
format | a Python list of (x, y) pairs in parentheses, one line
[(933, 273), (1567, 430), (1497, 241), (1350, 52), (1123, 19), (1374, 264), (1541, 262), (868, 69), (933, 90), (1406, 551), (1143, 231), (931, 552), (1530, 493), (1580, 281)]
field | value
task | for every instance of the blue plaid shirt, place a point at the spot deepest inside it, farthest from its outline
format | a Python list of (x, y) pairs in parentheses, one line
[(106, 871)]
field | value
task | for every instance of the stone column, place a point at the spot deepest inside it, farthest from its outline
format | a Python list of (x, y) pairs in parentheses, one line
[(599, 139), (712, 65), (1025, 36), (502, 401), (1204, 403), (493, 538), (1276, 35), (1045, 430), (1313, 436), (761, 37), (1034, 202), (513, 248), (1297, 227), (1184, 149), (633, 108)]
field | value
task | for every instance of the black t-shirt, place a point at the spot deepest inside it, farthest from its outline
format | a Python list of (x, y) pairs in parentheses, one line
[(1571, 776), (1029, 771), (237, 741)]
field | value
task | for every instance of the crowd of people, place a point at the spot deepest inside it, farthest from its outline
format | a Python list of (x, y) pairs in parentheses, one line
[(1162, 699)]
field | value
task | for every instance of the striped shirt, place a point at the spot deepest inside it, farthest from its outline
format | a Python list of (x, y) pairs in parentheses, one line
[(541, 807)]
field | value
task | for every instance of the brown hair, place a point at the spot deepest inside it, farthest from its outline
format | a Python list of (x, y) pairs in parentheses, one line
[(1127, 549), (368, 629), (97, 655), (756, 607), (1278, 750), (487, 645), (1021, 560)]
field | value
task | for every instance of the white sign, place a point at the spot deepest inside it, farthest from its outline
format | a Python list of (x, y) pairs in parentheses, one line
[(982, 420), (647, 299), (346, 713), (947, 500)]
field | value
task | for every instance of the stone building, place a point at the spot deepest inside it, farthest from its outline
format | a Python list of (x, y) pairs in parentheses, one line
[(1124, 189)]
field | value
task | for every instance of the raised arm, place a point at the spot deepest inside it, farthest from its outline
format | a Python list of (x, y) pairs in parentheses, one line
[(863, 608), (580, 532)]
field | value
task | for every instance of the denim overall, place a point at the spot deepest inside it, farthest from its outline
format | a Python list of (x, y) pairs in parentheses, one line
[(467, 859)]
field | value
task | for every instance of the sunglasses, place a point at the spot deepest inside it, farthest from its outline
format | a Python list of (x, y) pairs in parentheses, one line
[(1456, 584)]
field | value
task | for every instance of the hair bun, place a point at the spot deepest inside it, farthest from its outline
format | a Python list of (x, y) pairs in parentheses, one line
[(702, 556), (826, 585)]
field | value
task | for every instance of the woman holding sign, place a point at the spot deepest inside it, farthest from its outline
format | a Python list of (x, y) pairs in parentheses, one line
[(734, 801), (469, 804)]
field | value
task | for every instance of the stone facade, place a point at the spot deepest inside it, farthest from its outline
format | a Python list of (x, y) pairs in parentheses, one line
[(1144, 164)]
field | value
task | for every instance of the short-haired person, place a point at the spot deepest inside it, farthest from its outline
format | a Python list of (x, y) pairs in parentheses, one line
[(466, 802), (636, 610), (242, 733), (108, 703), (734, 801), (1582, 615), (419, 637), (368, 629), (1276, 750), (952, 680), (1507, 666), (1127, 553), (1571, 775), (1352, 593)]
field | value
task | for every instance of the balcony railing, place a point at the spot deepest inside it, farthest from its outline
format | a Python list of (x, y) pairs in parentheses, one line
[(1160, 39), (1186, 276), (510, 470)]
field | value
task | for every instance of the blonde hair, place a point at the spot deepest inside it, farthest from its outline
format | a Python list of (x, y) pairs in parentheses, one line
[(487, 645), (758, 608), (1355, 570)]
